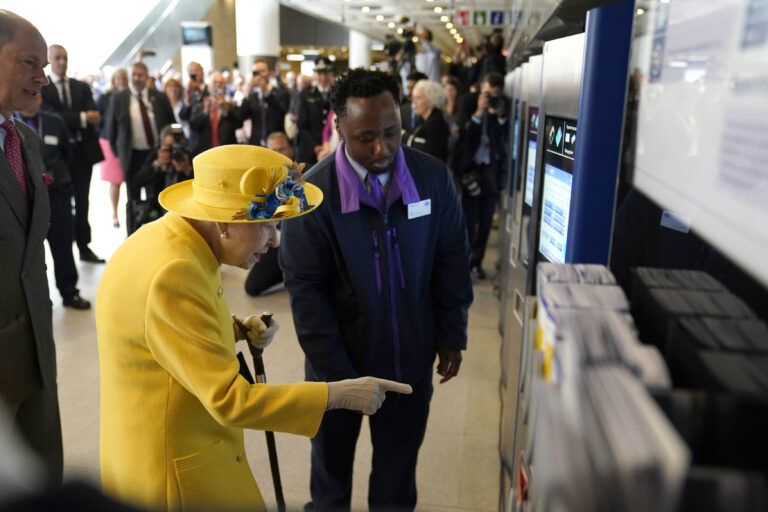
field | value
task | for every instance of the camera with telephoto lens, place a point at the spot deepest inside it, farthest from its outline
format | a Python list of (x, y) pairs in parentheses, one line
[(495, 101), (471, 184), (179, 151)]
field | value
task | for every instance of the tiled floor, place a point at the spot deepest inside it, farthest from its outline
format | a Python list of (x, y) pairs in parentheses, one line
[(458, 465)]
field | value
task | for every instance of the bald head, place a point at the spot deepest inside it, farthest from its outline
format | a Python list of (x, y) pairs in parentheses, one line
[(57, 56), (219, 83), (9, 24), (22, 60)]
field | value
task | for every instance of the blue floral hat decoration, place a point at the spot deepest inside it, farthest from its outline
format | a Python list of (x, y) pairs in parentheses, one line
[(241, 183)]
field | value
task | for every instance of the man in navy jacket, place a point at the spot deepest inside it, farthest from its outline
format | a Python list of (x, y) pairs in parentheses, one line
[(379, 284), (54, 135)]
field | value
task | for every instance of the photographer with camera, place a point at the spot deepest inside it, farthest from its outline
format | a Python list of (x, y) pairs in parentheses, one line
[(214, 120), (428, 59), (166, 165), (479, 160)]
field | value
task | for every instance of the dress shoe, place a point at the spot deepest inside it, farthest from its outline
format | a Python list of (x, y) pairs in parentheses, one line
[(76, 302), (115, 223), (88, 255)]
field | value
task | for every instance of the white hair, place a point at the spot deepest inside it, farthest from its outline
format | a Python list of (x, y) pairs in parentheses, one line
[(433, 91)]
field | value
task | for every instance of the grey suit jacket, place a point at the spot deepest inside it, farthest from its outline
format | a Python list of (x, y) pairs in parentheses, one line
[(120, 134), (27, 352)]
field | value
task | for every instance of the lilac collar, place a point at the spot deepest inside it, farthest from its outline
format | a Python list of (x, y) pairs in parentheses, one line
[(351, 190)]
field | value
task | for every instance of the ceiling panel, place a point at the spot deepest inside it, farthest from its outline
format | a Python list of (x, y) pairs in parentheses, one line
[(379, 18)]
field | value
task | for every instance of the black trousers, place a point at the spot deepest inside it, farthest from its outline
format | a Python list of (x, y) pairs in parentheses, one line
[(397, 431), (81, 172), (37, 418), (478, 212), (133, 189), (60, 240)]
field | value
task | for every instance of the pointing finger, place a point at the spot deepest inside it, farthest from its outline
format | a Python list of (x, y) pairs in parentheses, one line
[(397, 387)]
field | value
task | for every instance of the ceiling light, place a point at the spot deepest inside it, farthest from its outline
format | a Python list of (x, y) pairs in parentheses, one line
[(332, 58), (415, 39), (310, 51), (379, 17), (391, 24), (459, 40), (640, 11), (664, 1), (449, 25), (444, 18), (438, 9), (365, 8), (294, 56), (453, 31), (399, 30), (430, 1)]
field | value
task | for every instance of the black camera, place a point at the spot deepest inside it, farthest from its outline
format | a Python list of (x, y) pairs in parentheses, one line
[(495, 101), (179, 151)]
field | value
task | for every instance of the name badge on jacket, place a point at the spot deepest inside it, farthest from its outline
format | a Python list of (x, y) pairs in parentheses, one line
[(420, 209), (51, 140)]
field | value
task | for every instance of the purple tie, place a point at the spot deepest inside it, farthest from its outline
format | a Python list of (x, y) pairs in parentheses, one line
[(376, 194), (13, 153)]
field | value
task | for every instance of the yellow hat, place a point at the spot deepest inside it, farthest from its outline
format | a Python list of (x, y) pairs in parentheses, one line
[(241, 183)]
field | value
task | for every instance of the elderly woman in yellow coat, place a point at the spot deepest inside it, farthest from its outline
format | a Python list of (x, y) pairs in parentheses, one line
[(173, 404)]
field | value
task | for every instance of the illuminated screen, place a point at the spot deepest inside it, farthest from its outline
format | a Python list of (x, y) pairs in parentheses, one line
[(533, 133), (560, 140), (530, 172), (554, 216), (516, 134)]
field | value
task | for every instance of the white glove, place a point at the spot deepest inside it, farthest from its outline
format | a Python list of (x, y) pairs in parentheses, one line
[(365, 394), (257, 333)]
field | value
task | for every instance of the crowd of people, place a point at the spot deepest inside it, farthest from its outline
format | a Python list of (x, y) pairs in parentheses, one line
[(378, 250)]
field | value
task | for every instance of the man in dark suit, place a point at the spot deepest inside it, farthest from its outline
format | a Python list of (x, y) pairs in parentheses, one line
[(73, 101), (266, 106), (56, 157), (314, 105), (479, 159), (214, 120), (137, 116), (196, 93), (28, 361), (408, 117)]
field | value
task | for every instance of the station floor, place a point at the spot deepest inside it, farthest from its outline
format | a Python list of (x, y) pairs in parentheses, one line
[(458, 466)]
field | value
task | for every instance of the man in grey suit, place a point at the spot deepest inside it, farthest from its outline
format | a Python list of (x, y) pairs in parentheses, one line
[(137, 116), (27, 352)]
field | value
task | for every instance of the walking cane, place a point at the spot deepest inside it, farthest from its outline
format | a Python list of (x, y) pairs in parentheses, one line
[(261, 378)]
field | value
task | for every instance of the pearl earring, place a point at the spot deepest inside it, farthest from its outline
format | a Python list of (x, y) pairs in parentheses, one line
[(224, 235)]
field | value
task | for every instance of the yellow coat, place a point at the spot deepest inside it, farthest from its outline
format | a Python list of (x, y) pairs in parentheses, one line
[(173, 405)]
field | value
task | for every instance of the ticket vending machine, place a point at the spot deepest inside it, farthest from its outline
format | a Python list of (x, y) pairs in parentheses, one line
[(545, 174), (561, 83), (527, 103), (514, 79), (513, 287)]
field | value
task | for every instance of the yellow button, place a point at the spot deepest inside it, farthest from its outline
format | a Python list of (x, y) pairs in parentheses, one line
[(240, 457)]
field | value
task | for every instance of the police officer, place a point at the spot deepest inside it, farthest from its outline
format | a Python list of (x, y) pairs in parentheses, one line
[(314, 105)]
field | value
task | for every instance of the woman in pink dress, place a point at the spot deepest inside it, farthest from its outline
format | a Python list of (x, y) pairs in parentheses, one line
[(110, 166)]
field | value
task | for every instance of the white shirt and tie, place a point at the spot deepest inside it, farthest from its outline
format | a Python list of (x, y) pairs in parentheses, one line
[(65, 96), (138, 135), (362, 174)]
